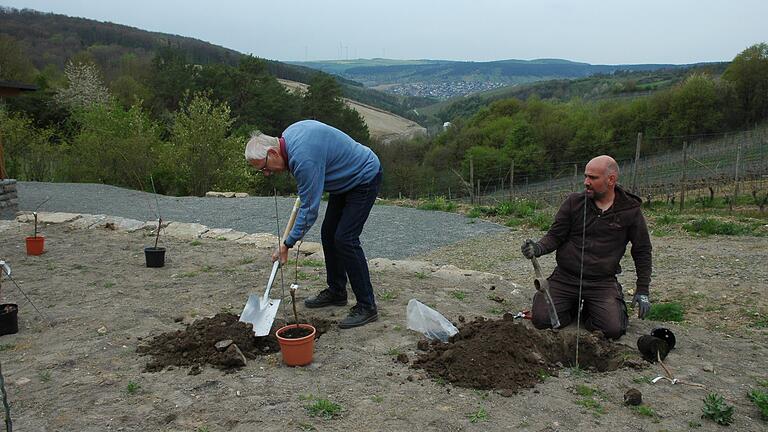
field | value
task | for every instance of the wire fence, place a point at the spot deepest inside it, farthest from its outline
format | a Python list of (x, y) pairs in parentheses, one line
[(696, 167)]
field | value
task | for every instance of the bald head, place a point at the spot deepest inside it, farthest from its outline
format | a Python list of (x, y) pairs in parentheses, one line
[(605, 165)]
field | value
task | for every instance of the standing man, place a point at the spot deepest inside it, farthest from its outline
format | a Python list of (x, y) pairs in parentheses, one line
[(323, 158), (590, 244)]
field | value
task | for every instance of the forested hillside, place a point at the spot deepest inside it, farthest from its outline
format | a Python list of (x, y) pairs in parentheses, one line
[(121, 106), (50, 40), (543, 137)]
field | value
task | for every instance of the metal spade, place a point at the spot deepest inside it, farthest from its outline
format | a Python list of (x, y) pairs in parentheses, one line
[(261, 310)]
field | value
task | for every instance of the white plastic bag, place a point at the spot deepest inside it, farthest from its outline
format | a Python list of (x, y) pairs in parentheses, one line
[(428, 321)]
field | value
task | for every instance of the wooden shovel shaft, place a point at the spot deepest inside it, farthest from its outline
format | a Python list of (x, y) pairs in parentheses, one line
[(543, 286), (292, 219)]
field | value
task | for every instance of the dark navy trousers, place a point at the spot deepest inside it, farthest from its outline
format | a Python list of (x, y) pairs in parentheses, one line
[(344, 257)]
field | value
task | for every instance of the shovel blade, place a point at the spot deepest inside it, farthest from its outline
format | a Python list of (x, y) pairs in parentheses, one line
[(260, 314)]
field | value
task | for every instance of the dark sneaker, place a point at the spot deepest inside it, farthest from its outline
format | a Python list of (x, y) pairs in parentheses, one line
[(324, 298), (358, 316)]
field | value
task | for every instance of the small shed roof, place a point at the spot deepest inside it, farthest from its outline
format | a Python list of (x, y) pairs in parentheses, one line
[(14, 88)]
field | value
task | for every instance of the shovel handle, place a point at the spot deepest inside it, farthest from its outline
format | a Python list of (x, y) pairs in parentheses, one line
[(536, 267), (292, 218)]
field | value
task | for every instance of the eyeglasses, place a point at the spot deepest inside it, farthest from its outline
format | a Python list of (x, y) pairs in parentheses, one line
[(264, 168)]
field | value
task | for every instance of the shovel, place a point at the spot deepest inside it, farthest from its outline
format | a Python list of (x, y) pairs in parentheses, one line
[(261, 310), (542, 285)]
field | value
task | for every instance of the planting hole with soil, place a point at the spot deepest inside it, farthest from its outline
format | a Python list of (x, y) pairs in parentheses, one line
[(508, 355), (196, 345)]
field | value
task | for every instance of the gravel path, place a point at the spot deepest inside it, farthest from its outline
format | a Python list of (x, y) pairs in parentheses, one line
[(391, 232)]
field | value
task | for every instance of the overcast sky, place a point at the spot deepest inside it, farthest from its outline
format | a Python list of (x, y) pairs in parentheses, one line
[(592, 31)]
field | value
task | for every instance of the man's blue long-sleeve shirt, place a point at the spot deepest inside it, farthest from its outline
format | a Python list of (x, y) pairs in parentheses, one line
[(323, 158)]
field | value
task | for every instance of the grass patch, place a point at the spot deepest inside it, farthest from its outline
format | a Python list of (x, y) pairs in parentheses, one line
[(717, 410), (324, 408), (394, 352), (480, 415), (439, 203), (592, 405), (543, 375), (645, 411), (666, 312), (7, 347), (377, 398), (195, 243), (583, 390), (758, 320), (711, 226), (421, 275), (642, 380), (132, 387), (388, 295), (459, 295), (308, 262), (760, 398), (45, 376)]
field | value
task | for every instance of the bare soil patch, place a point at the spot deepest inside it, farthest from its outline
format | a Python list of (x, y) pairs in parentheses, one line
[(83, 372)]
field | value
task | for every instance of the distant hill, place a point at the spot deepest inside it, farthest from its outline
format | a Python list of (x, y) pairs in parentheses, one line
[(444, 79), (616, 85), (53, 39)]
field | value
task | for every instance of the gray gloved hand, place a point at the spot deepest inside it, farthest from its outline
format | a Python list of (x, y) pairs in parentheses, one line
[(530, 249), (643, 305)]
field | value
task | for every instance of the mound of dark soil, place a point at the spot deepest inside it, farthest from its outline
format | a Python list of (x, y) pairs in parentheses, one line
[(508, 355), (196, 345)]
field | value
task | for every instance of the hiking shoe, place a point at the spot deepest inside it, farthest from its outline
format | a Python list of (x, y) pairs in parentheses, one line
[(358, 316), (324, 298)]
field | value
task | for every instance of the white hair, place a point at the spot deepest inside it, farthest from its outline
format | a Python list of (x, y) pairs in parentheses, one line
[(257, 146)]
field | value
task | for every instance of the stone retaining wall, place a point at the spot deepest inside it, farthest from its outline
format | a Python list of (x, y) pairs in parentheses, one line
[(9, 201)]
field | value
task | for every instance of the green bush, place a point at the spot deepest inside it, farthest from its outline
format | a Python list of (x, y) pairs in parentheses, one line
[(666, 312), (439, 203)]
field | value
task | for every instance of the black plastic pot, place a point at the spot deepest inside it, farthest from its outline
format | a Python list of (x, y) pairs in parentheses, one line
[(155, 256), (649, 346), (9, 318), (666, 335)]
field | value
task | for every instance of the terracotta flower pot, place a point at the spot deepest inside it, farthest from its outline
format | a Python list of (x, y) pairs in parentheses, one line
[(35, 245), (296, 351), (9, 318)]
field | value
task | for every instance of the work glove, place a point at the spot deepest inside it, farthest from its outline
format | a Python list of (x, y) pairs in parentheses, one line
[(643, 305), (530, 249)]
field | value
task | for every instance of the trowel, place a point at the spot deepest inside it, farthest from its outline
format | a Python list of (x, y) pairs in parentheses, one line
[(261, 310), (542, 285)]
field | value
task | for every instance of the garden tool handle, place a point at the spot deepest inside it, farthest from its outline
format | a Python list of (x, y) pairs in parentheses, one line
[(536, 267), (275, 266), (291, 219)]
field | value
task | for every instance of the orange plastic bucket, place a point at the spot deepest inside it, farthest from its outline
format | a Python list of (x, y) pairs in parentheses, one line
[(297, 352), (35, 245)]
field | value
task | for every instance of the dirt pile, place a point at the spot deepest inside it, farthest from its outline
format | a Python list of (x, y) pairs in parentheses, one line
[(508, 355), (195, 346)]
